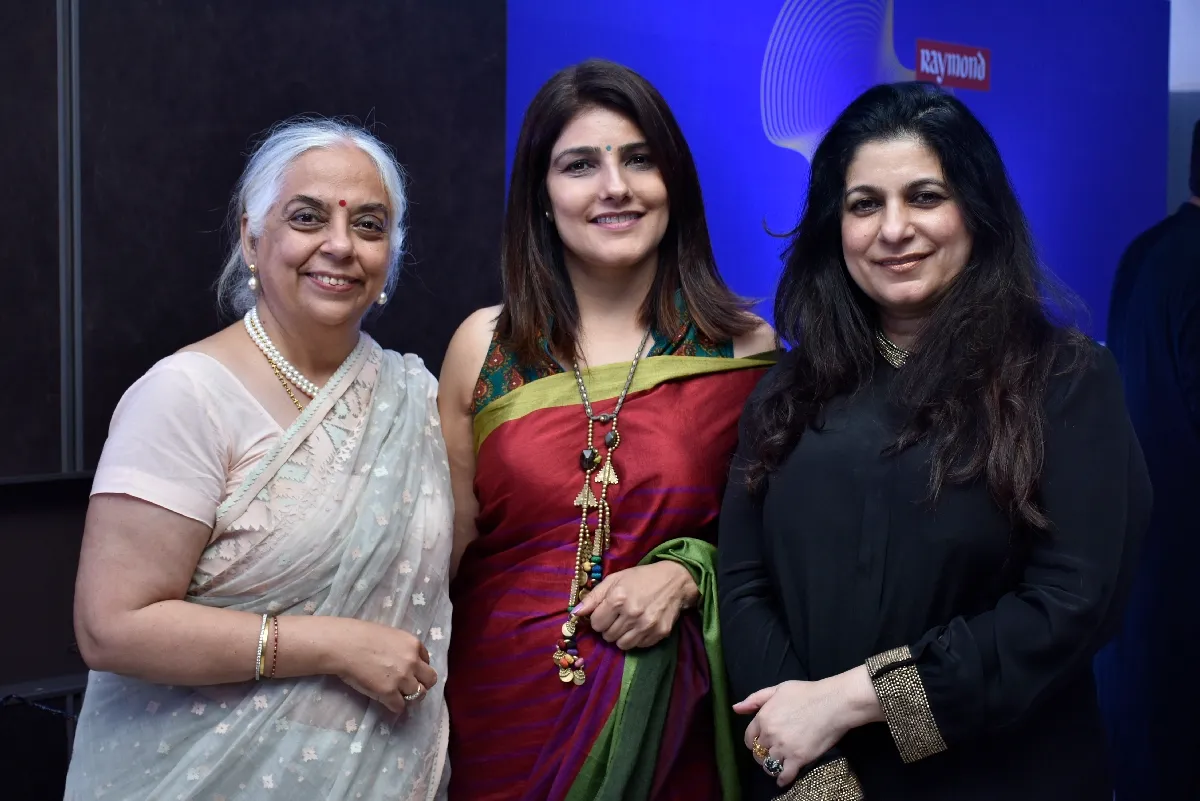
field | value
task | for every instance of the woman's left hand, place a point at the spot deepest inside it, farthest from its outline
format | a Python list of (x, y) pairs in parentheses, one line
[(638, 607), (798, 721)]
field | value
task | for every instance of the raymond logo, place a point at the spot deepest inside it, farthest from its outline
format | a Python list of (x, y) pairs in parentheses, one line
[(955, 66)]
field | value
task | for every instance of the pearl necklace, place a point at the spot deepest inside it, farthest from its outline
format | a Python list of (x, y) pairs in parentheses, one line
[(254, 327)]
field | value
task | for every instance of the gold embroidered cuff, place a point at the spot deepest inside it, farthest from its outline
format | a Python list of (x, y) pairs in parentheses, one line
[(905, 706), (832, 781)]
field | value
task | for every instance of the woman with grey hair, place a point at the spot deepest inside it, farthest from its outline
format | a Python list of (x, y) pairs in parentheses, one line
[(262, 590)]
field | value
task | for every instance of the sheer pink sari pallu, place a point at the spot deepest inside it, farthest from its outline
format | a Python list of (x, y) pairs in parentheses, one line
[(348, 515)]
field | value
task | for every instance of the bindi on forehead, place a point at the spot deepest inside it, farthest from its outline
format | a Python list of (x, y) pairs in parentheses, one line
[(342, 203)]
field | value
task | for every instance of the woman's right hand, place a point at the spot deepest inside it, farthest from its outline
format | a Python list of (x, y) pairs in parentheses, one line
[(382, 663)]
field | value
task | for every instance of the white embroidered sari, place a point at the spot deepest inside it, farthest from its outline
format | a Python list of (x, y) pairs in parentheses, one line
[(348, 515)]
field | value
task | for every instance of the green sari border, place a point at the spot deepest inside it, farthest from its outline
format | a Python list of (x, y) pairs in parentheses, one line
[(623, 760), (604, 383)]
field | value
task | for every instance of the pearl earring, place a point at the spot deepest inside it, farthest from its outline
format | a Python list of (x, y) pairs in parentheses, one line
[(253, 282), (382, 298), (547, 215)]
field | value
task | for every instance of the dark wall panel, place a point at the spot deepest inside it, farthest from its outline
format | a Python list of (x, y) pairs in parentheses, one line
[(29, 316), (41, 528), (172, 95)]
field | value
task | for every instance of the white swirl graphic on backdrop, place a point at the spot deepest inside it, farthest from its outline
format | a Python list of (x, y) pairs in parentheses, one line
[(821, 55)]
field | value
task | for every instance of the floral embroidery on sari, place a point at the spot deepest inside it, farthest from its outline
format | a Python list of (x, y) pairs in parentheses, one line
[(348, 515)]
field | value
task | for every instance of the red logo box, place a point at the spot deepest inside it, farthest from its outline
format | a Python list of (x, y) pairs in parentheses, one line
[(954, 66)]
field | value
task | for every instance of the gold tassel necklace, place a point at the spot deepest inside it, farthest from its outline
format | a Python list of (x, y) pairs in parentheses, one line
[(589, 557)]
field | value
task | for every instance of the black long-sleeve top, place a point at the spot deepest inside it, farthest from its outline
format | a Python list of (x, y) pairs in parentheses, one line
[(979, 639)]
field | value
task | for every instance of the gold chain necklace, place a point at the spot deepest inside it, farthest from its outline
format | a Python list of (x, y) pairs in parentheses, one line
[(274, 366), (286, 386), (895, 355), (589, 557), (255, 328)]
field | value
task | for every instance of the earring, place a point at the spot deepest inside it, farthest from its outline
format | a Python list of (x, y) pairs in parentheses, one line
[(382, 298), (548, 217), (253, 282)]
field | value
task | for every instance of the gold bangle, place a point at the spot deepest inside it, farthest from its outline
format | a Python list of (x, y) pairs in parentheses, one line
[(262, 649)]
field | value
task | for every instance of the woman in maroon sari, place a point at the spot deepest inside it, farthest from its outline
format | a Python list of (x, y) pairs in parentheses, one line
[(590, 420)]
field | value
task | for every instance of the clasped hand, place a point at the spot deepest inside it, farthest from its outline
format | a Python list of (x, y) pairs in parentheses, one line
[(638, 607), (383, 663)]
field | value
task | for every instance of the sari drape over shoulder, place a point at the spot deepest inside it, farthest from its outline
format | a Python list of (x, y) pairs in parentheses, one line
[(349, 514), (650, 723)]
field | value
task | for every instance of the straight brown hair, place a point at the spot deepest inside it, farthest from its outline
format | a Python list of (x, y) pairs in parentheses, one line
[(538, 297)]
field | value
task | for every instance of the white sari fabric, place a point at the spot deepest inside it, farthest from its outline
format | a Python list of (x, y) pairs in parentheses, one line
[(348, 515)]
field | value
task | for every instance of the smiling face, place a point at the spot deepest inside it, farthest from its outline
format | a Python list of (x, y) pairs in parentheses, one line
[(903, 234), (322, 256), (607, 198)]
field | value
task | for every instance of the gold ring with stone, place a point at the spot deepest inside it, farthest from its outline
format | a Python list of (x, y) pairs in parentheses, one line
[(760, 752)]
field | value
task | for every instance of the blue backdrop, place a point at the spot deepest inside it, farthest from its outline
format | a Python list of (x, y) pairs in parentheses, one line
[(1077, 103)]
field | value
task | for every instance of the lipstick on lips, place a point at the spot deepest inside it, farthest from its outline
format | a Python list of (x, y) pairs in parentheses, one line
[(902, 264)]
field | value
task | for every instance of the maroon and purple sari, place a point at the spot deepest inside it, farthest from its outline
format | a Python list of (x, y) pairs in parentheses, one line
[(517, 731)]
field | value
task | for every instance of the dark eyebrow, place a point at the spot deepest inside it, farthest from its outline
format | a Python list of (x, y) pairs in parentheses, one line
[(578, 151), (592, 150), (868, 189), (373, 208), (311, 201)]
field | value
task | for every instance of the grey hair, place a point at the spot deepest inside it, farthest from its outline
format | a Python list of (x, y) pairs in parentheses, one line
[(258, 191)]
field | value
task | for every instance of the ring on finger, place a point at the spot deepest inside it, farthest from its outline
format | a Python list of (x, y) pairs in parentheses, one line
[(418, 695), (773, 767), (760, 751)]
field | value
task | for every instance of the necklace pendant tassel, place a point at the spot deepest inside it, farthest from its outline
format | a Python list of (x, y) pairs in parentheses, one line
[(607, 474), (593, 541), (586, 498)]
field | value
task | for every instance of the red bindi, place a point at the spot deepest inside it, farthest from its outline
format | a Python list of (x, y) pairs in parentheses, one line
[(341, 203)]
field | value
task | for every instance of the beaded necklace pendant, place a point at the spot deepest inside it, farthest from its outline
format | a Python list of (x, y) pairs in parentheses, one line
[(593, 541)]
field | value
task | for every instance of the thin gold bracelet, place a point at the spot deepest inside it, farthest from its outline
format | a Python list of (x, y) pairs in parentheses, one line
[(275, 653)]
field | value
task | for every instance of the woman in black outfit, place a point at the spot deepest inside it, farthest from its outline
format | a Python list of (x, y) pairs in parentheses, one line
[(937, 501)]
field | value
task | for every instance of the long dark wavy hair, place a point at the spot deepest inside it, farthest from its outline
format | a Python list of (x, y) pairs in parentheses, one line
[(974, 385), (538, 298)]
